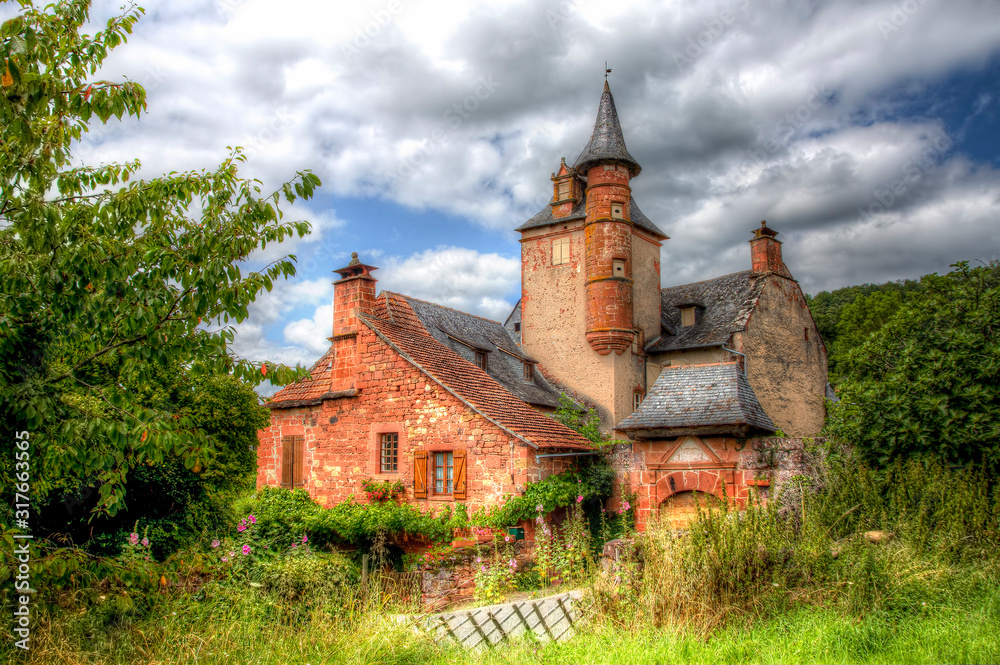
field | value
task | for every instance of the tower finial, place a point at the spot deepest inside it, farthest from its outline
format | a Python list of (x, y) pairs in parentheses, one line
[(607, 70)]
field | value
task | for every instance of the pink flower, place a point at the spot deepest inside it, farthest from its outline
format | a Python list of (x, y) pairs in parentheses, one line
[(304, 539), (538, 507), (145, 542), (295, 544), (253, 520), (579, 498), (506, 539), (625, 507), (215, 543), (513, 563), (246, 549), (479, 559), (241, 527), (225, 559), (134, 538), (484, 568), (232, 554)]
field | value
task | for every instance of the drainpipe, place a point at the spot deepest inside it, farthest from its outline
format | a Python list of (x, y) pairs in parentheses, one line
[(739, 354)]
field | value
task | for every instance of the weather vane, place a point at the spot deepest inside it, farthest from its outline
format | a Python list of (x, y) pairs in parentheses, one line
[(607, 70)]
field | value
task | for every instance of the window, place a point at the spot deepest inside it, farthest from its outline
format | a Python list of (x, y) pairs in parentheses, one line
[(563, 190), (805, 333), (617, 210), (444, 470), (517, 327), (481, 360), (529, 372), (447, 474), (292, 453), (560, 251), (389, 452), (636, 400), (687, 317)]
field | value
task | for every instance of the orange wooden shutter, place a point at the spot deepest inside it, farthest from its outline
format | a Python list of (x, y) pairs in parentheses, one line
[(458, 459), (300, 456), (287, 457), (420, 474)]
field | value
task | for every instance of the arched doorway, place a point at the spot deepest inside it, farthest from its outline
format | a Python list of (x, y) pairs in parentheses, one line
[(677, 511)]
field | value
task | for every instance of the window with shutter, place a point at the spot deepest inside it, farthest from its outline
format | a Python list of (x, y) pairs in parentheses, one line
[(293, 448), (419, 474), (459, 488), (560, 251)]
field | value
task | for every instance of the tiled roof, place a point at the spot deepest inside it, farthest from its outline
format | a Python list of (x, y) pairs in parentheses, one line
[(724, 306), (708, 398), (306, 391), (607, 141), (544, 218), (397, 323), (505, 359)]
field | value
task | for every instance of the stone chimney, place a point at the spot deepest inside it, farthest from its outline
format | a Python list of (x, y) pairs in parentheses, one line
[(765, 252), (353, 294)]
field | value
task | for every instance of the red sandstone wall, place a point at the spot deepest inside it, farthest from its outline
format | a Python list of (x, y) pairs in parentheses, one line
[(342, 436)]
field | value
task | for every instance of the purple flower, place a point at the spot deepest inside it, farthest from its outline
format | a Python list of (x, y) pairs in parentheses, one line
[(246, 549), (134, 538), (215, 543)]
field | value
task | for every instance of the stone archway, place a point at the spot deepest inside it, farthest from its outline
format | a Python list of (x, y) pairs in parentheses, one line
[(678, 510)]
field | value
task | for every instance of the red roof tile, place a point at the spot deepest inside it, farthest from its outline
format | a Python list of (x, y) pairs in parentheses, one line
[(394, 320)]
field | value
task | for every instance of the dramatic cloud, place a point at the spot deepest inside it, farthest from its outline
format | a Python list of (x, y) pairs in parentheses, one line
[(865, 132)]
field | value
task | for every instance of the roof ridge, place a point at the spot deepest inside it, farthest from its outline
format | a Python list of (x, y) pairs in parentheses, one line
[(428, 302), (710, 279)]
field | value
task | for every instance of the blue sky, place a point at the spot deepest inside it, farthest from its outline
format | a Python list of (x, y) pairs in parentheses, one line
[(866, 132)]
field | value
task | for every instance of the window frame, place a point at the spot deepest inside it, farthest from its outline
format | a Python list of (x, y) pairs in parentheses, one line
[(393, 439)]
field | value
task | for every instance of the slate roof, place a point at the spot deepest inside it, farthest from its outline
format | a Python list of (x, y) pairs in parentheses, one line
[(505, 359), (724, 307), (544, 218), (607, 141), (707, 398), (397, 323)]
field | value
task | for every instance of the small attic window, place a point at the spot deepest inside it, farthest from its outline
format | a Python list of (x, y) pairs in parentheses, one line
[(636, 400), (517, 326), (618, 267), (481, 360), (617, 210), (529, 372), (687, 316), (564, 190)]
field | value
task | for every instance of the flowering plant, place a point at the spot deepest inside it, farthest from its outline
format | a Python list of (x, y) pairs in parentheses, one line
[(382, 490)]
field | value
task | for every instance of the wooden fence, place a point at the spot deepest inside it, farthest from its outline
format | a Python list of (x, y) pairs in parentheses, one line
[(551, 618)]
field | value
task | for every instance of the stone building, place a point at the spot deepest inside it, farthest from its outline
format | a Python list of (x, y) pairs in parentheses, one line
[(414, 391)]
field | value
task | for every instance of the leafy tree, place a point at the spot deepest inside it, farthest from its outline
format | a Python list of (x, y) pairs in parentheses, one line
[(927, 383), (101, 273)]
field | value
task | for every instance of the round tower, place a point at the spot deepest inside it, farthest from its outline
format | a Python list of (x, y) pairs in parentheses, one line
[(609, 167)]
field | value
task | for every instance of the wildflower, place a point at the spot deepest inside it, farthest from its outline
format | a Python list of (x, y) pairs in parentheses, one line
[(513, 563), (134, 538), (232, 554), (579, 498), (538, 507), (215, 543), (225, 559), (253, 520), (483, 568), (145, 542), (625, 506), (241, 527), (304, 539), (246, 549), (479, 559), (506, 539), (295, 544)]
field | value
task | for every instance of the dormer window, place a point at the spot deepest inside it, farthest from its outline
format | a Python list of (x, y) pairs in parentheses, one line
[(687, 316), (481, 360), (636, 400), (529, 372)]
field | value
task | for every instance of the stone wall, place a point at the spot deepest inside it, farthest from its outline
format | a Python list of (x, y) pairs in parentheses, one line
[(342, 436), (723, 467)]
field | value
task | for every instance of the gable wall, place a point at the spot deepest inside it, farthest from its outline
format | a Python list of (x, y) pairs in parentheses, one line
[(788, 373), (342, 435)]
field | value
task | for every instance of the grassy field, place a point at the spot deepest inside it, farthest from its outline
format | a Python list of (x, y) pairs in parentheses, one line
[(231, 625)]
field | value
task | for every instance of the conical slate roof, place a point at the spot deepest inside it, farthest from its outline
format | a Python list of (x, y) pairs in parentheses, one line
[(607, 141)]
